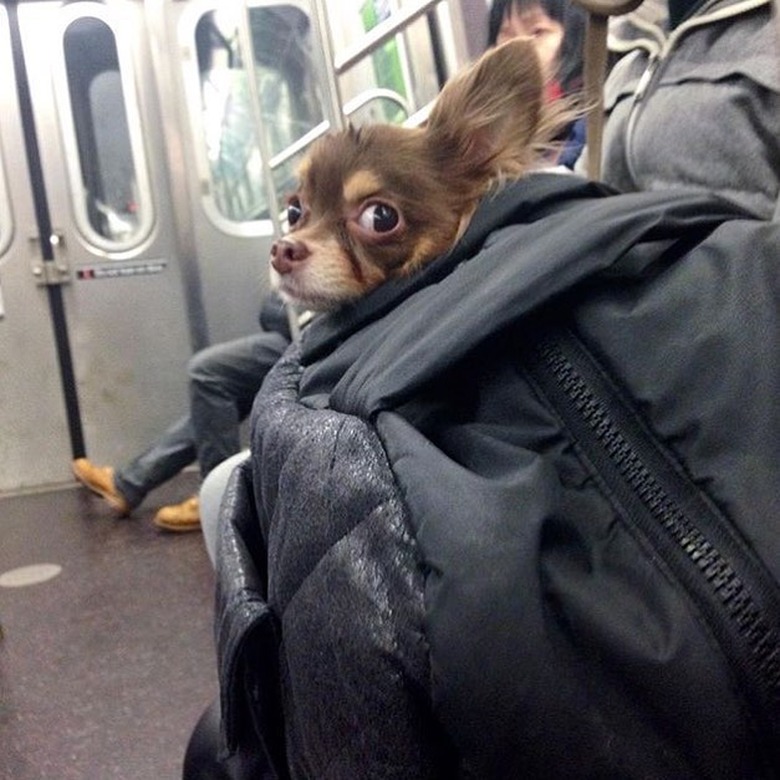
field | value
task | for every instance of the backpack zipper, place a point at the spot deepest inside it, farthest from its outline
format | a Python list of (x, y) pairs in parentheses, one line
[(730, 586)]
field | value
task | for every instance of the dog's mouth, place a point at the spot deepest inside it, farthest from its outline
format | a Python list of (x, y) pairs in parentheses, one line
[(321, 276), (297, 291)]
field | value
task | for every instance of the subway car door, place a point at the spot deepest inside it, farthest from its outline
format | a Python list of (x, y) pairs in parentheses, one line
[(94, 329), (245, 127)]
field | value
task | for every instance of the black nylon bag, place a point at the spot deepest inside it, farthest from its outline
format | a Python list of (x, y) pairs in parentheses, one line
[(465, 582)]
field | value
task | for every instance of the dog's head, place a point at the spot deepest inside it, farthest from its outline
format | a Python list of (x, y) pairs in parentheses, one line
[(381, 201)]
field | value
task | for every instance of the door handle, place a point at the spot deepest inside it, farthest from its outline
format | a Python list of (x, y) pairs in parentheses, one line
[(51, 273)]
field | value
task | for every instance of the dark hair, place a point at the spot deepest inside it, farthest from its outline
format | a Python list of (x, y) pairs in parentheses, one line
[(569, 15)]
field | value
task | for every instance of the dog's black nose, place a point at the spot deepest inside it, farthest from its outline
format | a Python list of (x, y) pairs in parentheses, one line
[(286, 252)]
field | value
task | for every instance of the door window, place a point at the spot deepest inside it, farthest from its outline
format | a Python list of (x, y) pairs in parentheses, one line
[(287, 98), (102, 131), (401, 72)]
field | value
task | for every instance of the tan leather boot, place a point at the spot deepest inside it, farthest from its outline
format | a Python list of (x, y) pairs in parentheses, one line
[(100, 480), (179, 517)]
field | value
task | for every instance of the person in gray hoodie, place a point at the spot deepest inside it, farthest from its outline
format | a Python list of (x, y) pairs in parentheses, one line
[(694, 100)]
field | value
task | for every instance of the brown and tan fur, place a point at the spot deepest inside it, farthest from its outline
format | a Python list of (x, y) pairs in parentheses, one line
[(490, 124)]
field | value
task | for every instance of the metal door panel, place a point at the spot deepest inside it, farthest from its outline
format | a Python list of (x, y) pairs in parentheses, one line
[(127, 317), (34, 445), (232, 259)]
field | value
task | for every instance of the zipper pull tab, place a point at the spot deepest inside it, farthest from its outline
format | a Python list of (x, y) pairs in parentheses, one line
[(641, 87)]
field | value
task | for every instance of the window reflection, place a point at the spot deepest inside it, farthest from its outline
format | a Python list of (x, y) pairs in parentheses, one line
[(288, 100), (404, 65), (386, 60), (99, 115)]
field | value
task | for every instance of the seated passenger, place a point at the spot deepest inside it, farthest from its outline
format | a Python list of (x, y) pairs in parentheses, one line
[(695, 102), (557, 28), (224, 379)]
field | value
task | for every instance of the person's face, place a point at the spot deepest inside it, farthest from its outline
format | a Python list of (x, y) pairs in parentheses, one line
[(533, 23)]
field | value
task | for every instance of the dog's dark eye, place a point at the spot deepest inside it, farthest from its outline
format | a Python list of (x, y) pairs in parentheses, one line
[(379, 218), (294, 210)]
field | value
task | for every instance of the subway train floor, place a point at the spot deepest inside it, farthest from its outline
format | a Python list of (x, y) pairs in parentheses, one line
[(105, 667)]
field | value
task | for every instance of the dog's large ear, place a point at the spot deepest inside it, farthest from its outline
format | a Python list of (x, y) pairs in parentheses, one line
[(493, 113)]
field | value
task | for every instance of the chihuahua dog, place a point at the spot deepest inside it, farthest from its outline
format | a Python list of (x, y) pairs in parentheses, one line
[(380, 201)]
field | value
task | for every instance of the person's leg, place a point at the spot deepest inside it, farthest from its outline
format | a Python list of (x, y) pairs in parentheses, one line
[(224, 380), (166, 457), (125, 488)]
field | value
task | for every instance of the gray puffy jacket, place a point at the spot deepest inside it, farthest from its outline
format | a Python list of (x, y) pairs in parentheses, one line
[(698, 106)]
